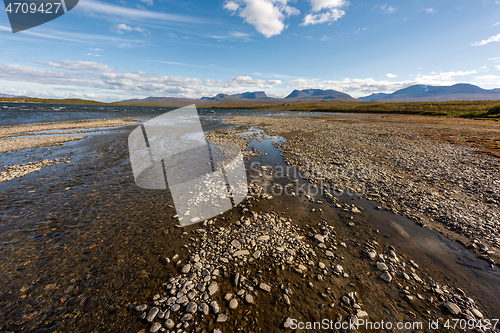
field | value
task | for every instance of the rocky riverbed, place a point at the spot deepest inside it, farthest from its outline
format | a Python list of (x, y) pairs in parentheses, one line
[(403, 165), (266, 269)]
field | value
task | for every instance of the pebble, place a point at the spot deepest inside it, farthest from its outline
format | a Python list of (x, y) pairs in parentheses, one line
[(152, 314), (249, 299), (477, 313), (155, 328), (169, 323), (215, 307), (213, 288), (203, 308), (186, 269), (221, 318), (233, 304), (191, 307), (265, 287), (452, 308), (382, 267), (141, 308), (386, 277)]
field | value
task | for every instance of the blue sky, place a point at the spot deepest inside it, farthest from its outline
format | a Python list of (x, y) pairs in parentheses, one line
[(121, 49)]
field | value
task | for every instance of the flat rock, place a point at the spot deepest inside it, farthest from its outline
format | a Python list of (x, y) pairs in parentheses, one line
[(386, 277), (221, 318), (213, 288), (452, 308), (263, 238), (319, 238), (249, 299), (185, 269), (241, 253), (382, 267), (265, 287)]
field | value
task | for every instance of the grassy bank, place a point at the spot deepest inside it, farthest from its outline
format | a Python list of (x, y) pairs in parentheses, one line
[(466, 109)]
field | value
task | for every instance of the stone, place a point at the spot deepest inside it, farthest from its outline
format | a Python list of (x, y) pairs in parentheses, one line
[(386, 277), (355, 210), (169, 323), (140, 308), (372, 254), (221, 318), (452, 308), (477, 313), (191, 307), (329, 254), (213, 288), (319, 238), (338, 269), (362, 314), (263, 238), (257, 254), (321, 265), (249, 299), (228, 296), (233, 304), (187, 317), (382, 267), (185, 269), (155, 328), (204, 309), (152, 314), (286, 299), (215, 307), (236, 244), (175, 308), (241, 253), (265, 287), (287, 323)]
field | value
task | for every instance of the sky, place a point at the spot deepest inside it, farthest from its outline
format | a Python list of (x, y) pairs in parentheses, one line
[(122, 49)]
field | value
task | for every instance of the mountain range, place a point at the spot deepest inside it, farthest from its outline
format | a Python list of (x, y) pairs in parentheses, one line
[(415, 93), (424, 93)]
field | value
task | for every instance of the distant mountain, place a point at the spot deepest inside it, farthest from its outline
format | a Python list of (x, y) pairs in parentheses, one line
[(220, 98), (5, 95), (424, 93), (374, 97), (246, 95), (319, 95)]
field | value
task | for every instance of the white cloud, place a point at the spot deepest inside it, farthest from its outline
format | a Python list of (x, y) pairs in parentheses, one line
[(120, 28), (267, 16), (487, 41), (497, 67), (430, 10), (498, 23), (318, 5), (231, 6), (148, 2), (104, 80), (388, 9), (82, 66), (390, 76), (495, 59), (332, 14)]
